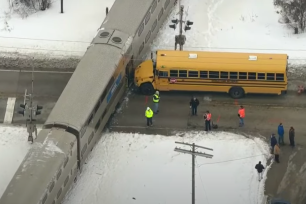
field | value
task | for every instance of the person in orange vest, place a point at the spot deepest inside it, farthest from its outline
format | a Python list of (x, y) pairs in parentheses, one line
[(241, 115), (207, 118)]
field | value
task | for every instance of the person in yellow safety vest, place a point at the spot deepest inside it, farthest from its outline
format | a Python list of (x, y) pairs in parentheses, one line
[(207, 117), (156, 101), (149, 116)]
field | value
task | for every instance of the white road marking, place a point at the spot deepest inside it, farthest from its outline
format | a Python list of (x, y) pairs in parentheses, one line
[(29, 71), (10, 106)]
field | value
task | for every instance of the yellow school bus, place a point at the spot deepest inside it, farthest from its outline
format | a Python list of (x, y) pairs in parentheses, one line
[(234, 73)]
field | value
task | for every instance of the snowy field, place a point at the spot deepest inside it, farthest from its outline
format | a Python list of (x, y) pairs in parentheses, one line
[(135, 168), (50, 32), (13, 148), (236, 26)]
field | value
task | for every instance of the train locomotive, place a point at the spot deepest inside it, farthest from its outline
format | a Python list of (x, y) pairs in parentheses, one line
[(89, 99)]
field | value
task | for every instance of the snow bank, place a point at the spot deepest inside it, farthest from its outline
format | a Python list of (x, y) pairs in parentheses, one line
[(49, 34), (13, 148), (135, 168)]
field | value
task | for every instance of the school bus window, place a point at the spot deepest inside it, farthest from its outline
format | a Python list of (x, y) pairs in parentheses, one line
[(163, 74), (233, 75), (183, 73), (261, 76), (242, 75), (173, 73), (203, 74), (193, 74), (224, 75), (279, 77), (270, 76), (252, 75), (213, 75)]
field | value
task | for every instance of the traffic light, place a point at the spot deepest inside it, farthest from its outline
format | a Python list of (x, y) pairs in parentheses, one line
[(38, 110), (22, 112), (187, 26), (175, 22)]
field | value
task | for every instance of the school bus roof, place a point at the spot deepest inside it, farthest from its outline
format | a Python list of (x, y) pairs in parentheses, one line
[(221, 61)]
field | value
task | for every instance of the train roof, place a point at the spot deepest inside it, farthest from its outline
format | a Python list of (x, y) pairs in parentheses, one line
[(129, 11), (85, 86), (221, 61), (39, 167)]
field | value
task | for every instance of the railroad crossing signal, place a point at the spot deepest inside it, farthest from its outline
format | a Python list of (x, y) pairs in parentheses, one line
[(23, 107), (187, 26), (175, 22), (38, 110)]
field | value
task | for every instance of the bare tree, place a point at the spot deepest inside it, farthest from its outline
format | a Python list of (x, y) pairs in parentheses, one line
[(295, 10)]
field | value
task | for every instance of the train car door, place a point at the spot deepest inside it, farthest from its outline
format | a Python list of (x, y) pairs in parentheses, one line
[(129, 72)]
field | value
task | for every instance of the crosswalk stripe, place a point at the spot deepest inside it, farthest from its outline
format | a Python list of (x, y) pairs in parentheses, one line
[(10, 106)]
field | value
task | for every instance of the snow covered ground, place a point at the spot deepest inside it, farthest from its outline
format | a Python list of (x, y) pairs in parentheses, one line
[(236, 26), (13, 148), (49, 32), (135, 168)]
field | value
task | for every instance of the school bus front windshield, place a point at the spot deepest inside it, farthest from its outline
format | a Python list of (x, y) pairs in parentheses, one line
[(234, 73)]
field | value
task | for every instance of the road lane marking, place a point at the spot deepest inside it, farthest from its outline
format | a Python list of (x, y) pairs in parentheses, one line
[(30, 71), (9, 113)]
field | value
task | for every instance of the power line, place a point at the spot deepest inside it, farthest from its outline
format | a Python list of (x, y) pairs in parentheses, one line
[(52, 40), (206, 195), (231, 160), (27, 48)]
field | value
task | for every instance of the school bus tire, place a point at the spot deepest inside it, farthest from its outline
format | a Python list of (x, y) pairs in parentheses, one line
[(147, 89), (236, 92)]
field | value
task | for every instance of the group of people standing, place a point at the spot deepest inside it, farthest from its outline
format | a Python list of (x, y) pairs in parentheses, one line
[(275, 148)]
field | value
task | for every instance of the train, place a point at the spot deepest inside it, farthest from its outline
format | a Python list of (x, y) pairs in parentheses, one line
[(91, 96)]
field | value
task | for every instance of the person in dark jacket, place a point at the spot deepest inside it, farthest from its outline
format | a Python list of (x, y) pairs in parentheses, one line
[(273, 142), (259, 167), (291, 137), (280, 131), (194, 105)]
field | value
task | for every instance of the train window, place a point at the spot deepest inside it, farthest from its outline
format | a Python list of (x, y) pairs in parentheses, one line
[(270, 76), (58, 174), (161, 13), (224, 75), (82, 131), (233, 75), (154, 25), (279, 77), (141, 27), (141, 48), (59, 193), (97, 107), (66, 181), (97, 125), (242, 75), (193, 74), (147, 18), (44, 199), (204, 74), (103, 95), (90, 137), (173, 73), (104, 113), (166, 4), (51, 186), (261, 76), (148, 36), (84, 150), (213, 75), (90, 119), (252, 75), (154, 4), (183, 73), (163, 74), (66, 161)]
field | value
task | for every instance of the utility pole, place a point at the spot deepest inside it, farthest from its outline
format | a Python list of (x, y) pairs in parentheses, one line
[(194, 153), (180, 39), (31, 111)]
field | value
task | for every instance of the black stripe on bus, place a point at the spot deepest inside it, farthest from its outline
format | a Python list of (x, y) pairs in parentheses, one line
[(241, 85)]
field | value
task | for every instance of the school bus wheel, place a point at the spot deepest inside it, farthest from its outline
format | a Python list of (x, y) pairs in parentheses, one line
[(147, 89), (236, 92)]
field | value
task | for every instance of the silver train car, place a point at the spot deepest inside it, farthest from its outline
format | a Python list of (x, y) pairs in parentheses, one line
[(96, 87)]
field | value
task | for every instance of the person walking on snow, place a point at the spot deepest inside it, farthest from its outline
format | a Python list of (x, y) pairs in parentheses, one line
[(194, 102), (156, 99), (259, 167), (276, 153), (281, 131), (149, 116), (273, 142), (241, 115), (291, 137)]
